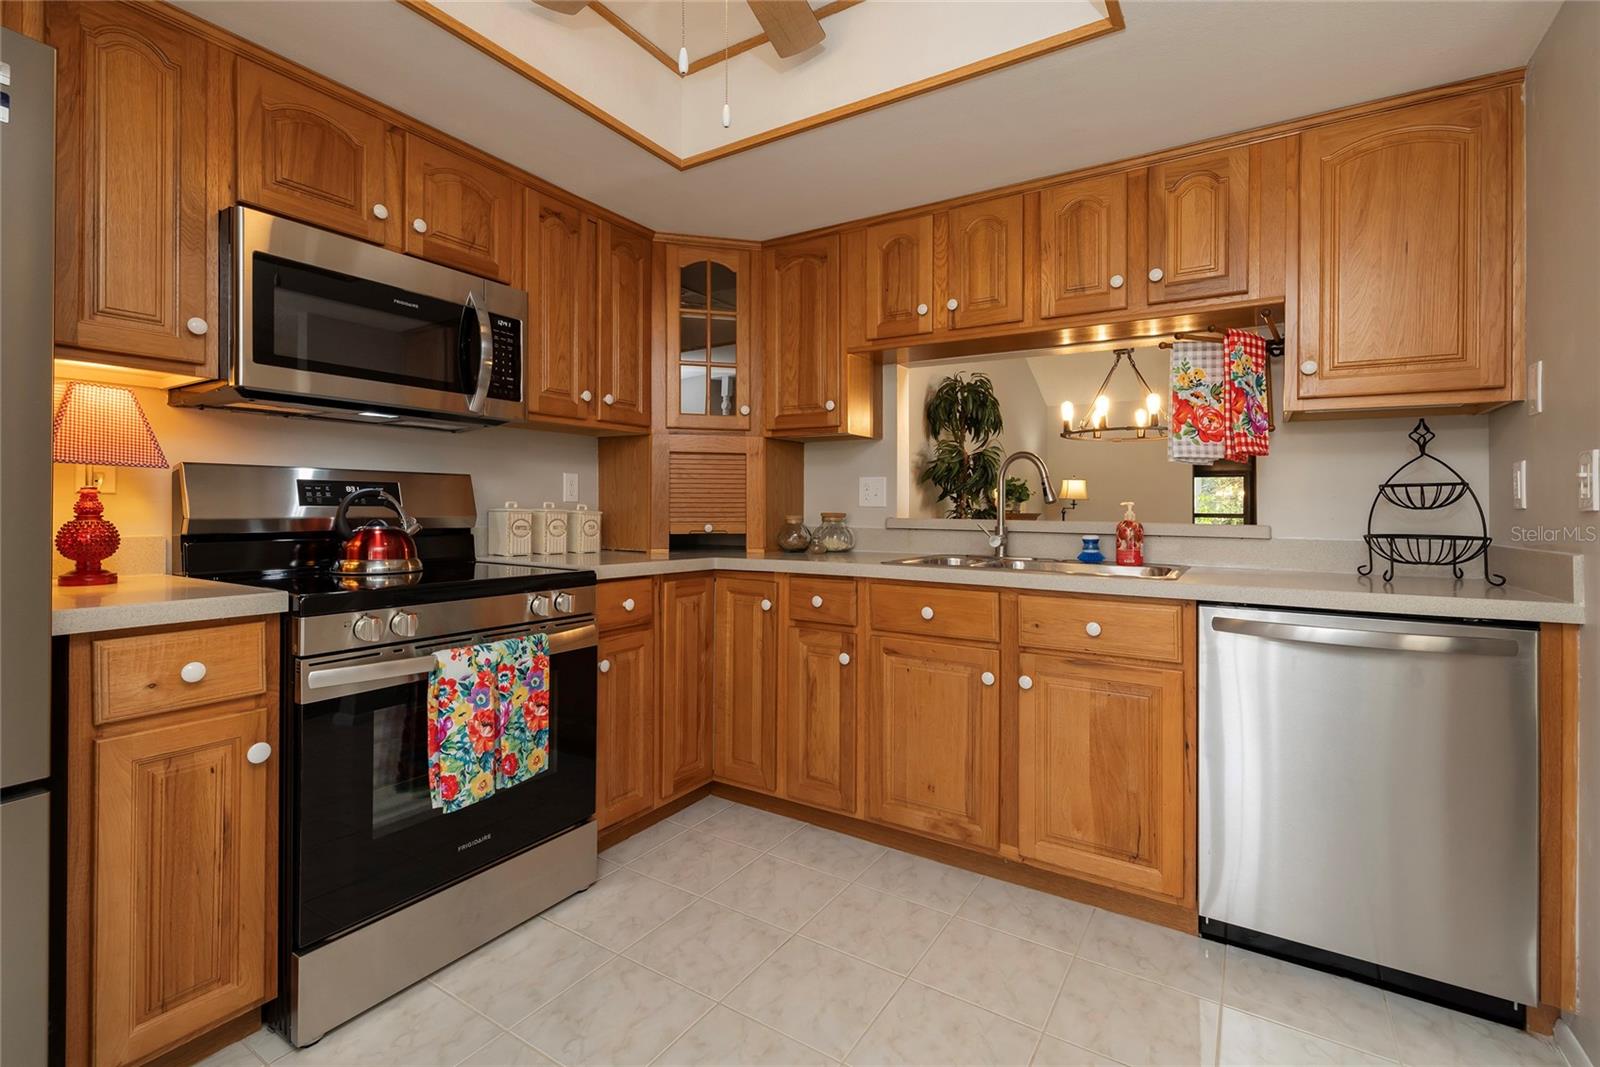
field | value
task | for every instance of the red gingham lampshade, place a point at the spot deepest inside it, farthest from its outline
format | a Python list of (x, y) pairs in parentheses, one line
[(103, 425)]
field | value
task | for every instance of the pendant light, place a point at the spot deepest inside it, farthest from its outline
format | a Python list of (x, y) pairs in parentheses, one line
[(683, 37), (1096, 426), (727, 111)]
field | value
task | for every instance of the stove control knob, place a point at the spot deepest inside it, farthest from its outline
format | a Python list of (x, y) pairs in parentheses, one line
[(367, 628), (403, 623), (563, 602), (539, 605)]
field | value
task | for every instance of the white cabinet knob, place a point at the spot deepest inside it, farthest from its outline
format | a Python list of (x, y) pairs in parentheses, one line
[(1024, 682), (1156, 274), (608, 400), (844, 659), (744, 409), (766, 605), (192, 672), (927, 612), (952, 304), (1092, 629), (1116, 281), (816, 602), (419, 225), (586, 396), (709, 528), (627, 605), (922, 309), (987, 677), (1308, 366), (605, 666), (379, 211), (828, 405), (197, 326), (259, 752)]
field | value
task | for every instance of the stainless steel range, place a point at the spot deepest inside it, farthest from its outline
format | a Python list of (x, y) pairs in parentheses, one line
[(379, 888)]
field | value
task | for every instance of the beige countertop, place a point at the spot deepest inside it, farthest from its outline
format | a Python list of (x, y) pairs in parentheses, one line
[(156, 600), (1470, 598)]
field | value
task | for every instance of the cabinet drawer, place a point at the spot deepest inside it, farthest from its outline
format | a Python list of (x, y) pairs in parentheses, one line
[(144, 674), (629, 602), (1150, 630), (935, 611), (824, 600)]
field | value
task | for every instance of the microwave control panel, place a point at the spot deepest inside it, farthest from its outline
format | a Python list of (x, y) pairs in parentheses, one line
[(505, 380)]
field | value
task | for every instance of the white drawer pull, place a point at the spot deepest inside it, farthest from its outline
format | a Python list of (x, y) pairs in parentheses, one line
[(605, 666), (197, 326), (952, 304), (259, 752), (844, 659), (1024, 682), (1116, 281), (586, 396), (1092, 629), (627, 605), (922, 309), (1308, 366), (419, 225), (608, 400), (193, 672), (927, 612), (766, 605), (829, 406), (816, 602), (987, 677), (709, 528), (1156, 274), (380, 211), (744, 409)]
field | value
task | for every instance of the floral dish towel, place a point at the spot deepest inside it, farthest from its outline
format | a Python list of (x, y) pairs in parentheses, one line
[(488, 719), (1199, 382), (1248, 402)]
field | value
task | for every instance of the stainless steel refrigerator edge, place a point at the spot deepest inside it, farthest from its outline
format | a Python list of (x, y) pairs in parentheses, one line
[(1370, 786), (27, 238)]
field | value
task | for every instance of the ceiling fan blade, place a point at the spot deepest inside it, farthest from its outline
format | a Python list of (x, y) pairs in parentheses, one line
[(790, 25), (563, 7)]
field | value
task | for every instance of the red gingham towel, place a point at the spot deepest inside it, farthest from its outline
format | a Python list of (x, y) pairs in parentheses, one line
[(1246, 403)]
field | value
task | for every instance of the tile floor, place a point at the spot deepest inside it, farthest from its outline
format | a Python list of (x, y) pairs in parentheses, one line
[(728, 935)]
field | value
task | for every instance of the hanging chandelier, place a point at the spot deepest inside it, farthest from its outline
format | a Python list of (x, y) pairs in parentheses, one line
[(1096, 424)]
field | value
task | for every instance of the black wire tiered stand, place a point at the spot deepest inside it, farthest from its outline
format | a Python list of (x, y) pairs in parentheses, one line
[(1426, 550)]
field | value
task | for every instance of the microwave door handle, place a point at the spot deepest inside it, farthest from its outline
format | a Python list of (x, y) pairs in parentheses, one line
[(486, 350)]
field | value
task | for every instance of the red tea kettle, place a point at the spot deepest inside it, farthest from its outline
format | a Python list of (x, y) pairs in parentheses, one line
[(377, 548)]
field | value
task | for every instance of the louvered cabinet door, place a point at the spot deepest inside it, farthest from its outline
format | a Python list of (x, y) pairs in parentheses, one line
[(899, 278), (984, 275), (1083, 247), (707, 492), (461, 212), (1199, 226), (744, 682), (310, 156)]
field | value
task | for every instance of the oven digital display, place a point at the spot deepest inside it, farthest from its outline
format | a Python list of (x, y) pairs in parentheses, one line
[(315, 494)]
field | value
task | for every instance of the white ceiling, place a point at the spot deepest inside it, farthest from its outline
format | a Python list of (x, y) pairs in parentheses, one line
[(1179, 72)]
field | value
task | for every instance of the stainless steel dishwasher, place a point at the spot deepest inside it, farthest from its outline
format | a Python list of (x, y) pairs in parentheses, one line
[(1369, 798)]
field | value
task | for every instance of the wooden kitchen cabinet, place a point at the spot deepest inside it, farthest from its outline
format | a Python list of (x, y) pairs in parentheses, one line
[(624, 343), (744, 682), (815, 388), (1410, 259), (1198, 226), (897, 278), (983, 276), (817, 716), (625, 780), (933, 738), (460, 212), (1083, 247), (708, 320), (1102, 787), (686, 666), (140, 106), (561, 276), (307, 155)]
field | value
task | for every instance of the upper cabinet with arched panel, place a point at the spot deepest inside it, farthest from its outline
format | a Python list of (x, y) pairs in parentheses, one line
[(898, 278), (708, 338), (460, 212), (1083, 247), (983, 278), (1199, 226)]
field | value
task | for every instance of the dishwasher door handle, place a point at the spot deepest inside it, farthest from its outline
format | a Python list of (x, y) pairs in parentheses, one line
[(1348, 637)]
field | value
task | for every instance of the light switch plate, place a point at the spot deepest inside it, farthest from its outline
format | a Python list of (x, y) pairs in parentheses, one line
[(1519, 485), (1588, 472), (1536, 387), (569, 488), (874, 492)]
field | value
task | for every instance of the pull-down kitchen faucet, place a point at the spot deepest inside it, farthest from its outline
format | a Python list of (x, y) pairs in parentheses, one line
[(998, 540)]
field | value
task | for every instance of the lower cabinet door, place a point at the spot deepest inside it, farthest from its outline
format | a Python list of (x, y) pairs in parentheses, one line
[(184, 885), (625, 782), (817, 715), (933, 738), (1101, 790), (744, 686), (685, 624)]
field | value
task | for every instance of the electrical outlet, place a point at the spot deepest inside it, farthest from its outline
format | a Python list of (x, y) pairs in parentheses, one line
[(1536, 387), (874, 492), (1519, 485), (1588, 472), (105, 478), (569, 488)]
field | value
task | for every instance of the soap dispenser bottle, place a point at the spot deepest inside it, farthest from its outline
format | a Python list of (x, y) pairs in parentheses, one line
[(1130, 539)]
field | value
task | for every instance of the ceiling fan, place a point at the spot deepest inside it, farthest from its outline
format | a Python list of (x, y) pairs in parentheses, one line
[(790, 25)]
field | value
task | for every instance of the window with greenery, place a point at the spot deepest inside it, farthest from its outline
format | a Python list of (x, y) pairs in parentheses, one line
[(1225, 493)]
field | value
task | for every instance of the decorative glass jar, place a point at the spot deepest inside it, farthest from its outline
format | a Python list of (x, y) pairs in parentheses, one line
[(793, 535), (833, 535)]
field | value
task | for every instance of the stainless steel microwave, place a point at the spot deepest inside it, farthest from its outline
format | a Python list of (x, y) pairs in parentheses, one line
[(318, 324)]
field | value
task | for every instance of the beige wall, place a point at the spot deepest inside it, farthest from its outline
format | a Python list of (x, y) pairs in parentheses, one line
[(1563, 196)]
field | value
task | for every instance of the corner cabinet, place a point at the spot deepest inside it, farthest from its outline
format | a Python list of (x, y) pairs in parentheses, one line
[(708, 325), (1411, 260)]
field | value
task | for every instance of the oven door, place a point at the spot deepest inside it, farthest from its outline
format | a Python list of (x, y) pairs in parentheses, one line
[(365, 836), (329, 320)]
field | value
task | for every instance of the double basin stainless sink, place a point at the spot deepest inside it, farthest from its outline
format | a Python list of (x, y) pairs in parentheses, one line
[(1030, 564)]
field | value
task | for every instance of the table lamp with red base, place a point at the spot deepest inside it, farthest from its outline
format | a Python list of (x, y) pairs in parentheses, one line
[(100, 426)]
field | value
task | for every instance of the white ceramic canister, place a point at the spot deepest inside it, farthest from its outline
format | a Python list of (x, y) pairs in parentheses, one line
[(549, 530), (511, 530), (583, 529)]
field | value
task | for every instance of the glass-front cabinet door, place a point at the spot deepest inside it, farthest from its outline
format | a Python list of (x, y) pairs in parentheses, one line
[(708, 330)]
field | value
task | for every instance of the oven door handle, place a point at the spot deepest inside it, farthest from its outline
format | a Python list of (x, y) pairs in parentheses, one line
[(486, 350), (329, 677)]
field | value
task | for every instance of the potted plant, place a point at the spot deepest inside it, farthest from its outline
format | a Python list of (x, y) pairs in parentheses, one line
[(1018, 494), (964, 419)]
